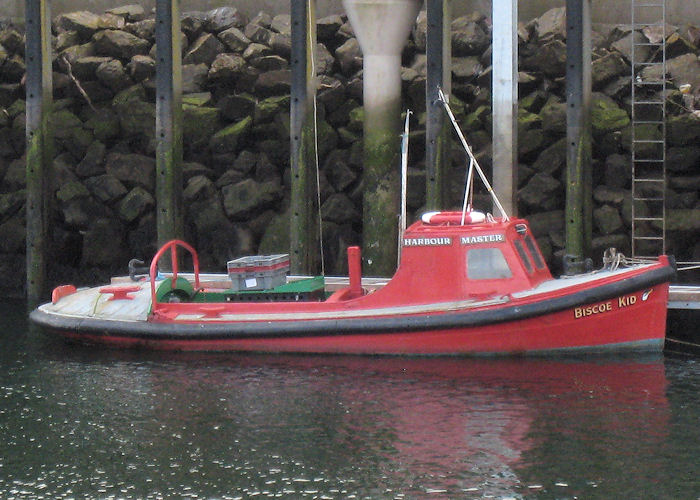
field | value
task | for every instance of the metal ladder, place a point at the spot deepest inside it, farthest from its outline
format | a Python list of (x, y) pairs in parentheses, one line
[(648, 61)]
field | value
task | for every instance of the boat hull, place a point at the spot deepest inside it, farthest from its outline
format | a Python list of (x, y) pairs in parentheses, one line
[(626, 315)]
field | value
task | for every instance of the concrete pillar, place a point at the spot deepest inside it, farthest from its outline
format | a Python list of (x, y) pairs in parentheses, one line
[(505, 103), (382, 28), (39, 146)]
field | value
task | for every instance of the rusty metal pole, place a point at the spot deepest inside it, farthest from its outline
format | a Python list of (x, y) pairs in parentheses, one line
[(39, 141), (578, 136), (437, 130), (169, 207), (304, 237), (505, 103)]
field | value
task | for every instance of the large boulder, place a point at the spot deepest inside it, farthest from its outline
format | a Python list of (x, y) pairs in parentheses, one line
[(226, 68), (249, 197), (277, 82), (136, 203), (82, 22), (106, 188), (608, 68), (549, 59), (606, 115), (339, 209), (327, 27), (552, 160), (199, 124), (227, 139), (349, 55), (103, 244), (234, 39), (553, 116), (144, 29), (607, 219), (683, 130), (93, 161), (84, 68), (468, 37), (136, 116), (685, 220), (77, 206), (624, 46), (204, 50), (224, 18), (12, 235), (132, 13), (11, 203), (466, 68), (276, 238), (104, 124), (133, 170), (551, 24), (113, 75), (235, 107), (542, 223), (141, 68), (685, 69), (194, 78), (120, 44), (542, 192), (267, 109)]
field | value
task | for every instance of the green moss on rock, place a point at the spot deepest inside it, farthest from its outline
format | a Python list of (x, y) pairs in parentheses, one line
[(227, 139), (606, 116)]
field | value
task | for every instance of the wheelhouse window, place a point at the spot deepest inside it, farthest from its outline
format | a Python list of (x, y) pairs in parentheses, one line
[(487, 264), (523, 256), (533, 251)]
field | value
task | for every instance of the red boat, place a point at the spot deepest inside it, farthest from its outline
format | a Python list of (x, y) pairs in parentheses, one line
[(467, 283), (477, 287)]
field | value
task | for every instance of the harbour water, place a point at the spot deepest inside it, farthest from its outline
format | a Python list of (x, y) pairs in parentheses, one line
[(77, 422)]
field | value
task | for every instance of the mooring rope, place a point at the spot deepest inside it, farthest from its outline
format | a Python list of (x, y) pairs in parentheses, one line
[(318, 174)]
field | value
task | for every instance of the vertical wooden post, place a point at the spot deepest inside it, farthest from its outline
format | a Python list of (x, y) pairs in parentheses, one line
[(39, 141), (304, 227), (578, 135), (169, 218), (505, 103), (438, 134)]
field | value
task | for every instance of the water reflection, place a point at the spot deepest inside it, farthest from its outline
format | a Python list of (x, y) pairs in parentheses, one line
[(108, 424)]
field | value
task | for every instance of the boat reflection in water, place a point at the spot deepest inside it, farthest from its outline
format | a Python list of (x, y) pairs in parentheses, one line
[(378, 427)]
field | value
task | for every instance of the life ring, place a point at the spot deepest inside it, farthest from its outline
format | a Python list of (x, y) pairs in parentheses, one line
[(454, 218)]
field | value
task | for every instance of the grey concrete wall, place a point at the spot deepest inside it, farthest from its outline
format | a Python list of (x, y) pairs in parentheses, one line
[(679, 12)]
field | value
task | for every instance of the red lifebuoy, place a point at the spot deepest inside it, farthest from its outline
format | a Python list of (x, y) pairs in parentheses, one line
[(454, 218)]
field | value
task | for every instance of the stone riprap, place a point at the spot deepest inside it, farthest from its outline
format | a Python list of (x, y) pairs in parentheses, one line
[(236, 84)]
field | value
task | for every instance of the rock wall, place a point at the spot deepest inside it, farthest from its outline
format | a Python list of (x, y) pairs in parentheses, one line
[(236, 84)]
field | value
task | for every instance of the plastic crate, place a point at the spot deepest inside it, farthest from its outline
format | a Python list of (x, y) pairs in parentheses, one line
[(258, 272)]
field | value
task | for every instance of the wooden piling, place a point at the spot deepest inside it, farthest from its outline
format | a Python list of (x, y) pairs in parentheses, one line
[(304, 209), (578, 135), (437, 128), (39, 146), (169, 208)]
